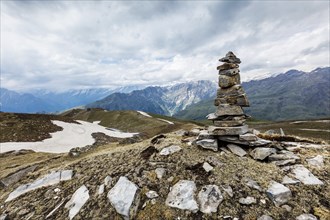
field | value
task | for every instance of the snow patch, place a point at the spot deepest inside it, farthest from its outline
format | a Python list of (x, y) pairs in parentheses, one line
[(169, 122), (145, 114), (73, 135)]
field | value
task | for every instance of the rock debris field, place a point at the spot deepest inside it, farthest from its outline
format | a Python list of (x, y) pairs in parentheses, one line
[(175, 179)]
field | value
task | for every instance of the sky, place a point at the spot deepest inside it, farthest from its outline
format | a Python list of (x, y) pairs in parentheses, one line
[(61, 45)]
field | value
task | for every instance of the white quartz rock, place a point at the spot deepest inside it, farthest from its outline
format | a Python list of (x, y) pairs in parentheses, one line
[(122, 196), (152, 194), (209, 198), (101, 189), (305, 176), (170, 150), (78, 199), (48, 180), (182, 196)]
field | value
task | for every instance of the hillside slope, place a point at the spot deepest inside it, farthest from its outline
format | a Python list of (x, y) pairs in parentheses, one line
[(288, 96), (129, 121)]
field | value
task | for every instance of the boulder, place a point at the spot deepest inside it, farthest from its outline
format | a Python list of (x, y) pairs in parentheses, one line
[(306, 217), (182, 196), (170, 150), (210, 144), (262, 153), (78, 199), (228, 81), (278, 193), (236, 150), (222, 131), (209, 198), (305, 176), (226, 109), (247, 201), (122, 197)]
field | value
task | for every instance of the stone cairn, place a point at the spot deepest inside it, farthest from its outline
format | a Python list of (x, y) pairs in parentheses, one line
[(229, 119)]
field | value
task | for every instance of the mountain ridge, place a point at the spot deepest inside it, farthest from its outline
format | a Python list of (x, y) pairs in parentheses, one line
[(291, 95)]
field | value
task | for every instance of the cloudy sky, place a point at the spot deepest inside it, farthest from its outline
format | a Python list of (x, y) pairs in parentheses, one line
[(61, 45)]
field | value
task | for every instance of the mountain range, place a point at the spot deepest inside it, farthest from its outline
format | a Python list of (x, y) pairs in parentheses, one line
[(159, 100), (291, 95), (46, 101)]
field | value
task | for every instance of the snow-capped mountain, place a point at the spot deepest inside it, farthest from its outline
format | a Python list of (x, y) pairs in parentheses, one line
[(160, 100), (48, 101)]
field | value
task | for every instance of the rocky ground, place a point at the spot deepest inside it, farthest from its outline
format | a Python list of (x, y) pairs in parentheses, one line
[(169, 177)]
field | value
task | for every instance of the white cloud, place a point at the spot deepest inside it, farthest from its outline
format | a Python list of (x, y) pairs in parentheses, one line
[(75, 44)]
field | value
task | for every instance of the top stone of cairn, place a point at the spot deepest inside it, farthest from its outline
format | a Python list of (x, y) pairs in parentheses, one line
[(230, 58)]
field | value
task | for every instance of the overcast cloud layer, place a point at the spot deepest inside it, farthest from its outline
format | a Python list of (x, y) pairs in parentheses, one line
[(63, 45)]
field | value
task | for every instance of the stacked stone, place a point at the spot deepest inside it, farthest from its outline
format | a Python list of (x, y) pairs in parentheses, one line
[(229, 118)]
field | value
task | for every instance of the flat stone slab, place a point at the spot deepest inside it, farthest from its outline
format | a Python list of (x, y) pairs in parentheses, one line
[(236, 150), (170, 150), (209, 198), (248, 137), (288, 180), (262, 153), (182, 196), (78, 199), (235, 139), (122, 196), (50, 179), (226, 109), (305, 176), (316, 161), (278, 193), (210, 144), (228, 130), (16, 177)]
